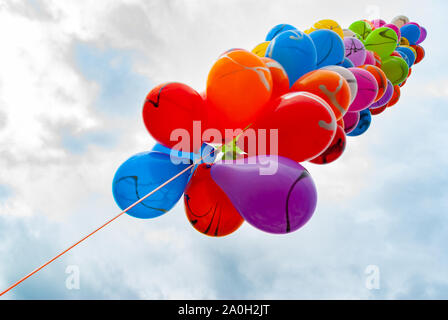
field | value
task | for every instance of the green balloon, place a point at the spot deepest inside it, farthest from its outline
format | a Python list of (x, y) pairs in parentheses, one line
[(362, 28), (396, 69), (382, 41)]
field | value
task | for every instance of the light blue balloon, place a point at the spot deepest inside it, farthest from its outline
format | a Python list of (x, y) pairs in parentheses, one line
[(279, 29), (410, 56), (346, 63), (295, 51), (330, 47), (143, 173), (365, 119)]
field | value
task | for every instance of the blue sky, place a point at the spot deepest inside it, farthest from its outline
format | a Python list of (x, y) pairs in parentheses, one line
[(74, 77)]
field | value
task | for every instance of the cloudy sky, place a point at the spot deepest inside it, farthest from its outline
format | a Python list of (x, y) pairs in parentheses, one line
[(73, 76)]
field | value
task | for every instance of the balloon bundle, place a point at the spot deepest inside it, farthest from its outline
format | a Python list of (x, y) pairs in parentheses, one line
[(293, 98)]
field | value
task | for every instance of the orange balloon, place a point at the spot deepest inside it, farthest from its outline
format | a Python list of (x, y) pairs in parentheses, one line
[(395, 97), (208, 208), (328, 85), (378, 61), (420, 53), (341, 123), (239, 87), (380, 77), (280, 81)]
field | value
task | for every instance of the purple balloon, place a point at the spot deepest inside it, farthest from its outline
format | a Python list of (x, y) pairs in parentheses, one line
[(276, 201), (423, 34), (355, 51), (386, 96), (351, 120)]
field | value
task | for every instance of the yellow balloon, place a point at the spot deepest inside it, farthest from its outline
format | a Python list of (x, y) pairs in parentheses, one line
[(331, 25), (260, 50), (404, 41), (308, 31)]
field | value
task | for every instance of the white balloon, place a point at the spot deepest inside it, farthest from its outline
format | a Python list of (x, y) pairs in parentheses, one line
[(400, 21), (348, 33)]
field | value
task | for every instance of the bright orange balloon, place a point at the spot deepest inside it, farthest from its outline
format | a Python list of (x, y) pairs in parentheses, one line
[(328, 85), (341, 123), (380, 77), (239, 87), (280, 81), (395, 96)]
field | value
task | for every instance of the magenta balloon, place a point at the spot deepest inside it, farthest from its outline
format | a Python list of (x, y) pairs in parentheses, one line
[(367, 89), (395, 28), (355, 51), (370, 58), (378, 23), (423, 34), (386, 97), (278, 202), (351, 120)]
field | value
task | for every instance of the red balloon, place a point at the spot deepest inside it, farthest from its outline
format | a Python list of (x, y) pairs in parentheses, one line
[(306, 126), (172, 106), (208, 208), (335, 150), (420, 53), (376, 111), (395, 96)]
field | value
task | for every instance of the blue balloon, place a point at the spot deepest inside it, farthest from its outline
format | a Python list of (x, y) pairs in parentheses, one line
[(279, 29), (329, 47), (410, 32), (346, 63), (140, 175), (295, 51), (407, 55), (365, 119)]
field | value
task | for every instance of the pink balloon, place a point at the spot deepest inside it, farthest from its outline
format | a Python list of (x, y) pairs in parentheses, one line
[(367, 89), (370, 58), (395, 28), (378, 23)]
